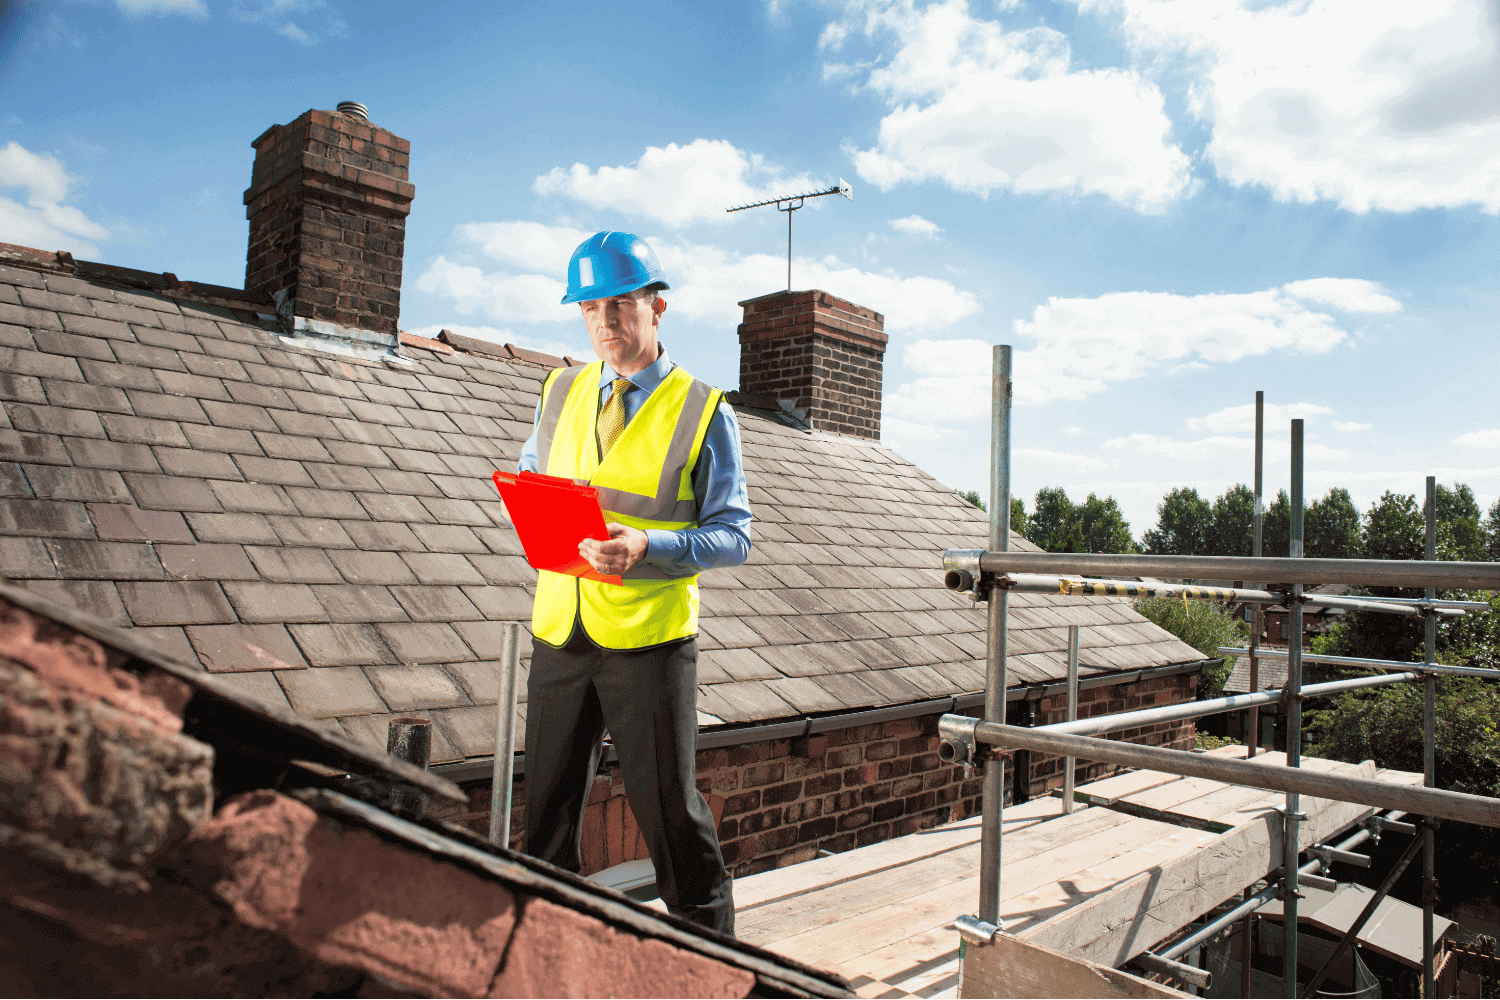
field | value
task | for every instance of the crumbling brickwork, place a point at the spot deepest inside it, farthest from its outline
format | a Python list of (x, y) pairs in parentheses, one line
[(327, 205), (820, 351)]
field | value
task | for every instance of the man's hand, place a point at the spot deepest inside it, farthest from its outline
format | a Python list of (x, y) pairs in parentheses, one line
[(624, 549)]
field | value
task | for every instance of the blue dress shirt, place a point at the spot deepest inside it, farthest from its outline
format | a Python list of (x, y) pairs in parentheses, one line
[(722, 537)]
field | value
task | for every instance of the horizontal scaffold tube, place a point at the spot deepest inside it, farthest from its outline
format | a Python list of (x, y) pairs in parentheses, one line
[(1214, 706), (1374, 604), (1029, 583), (1265, 652), (1077, 586), (1374, 572), (1459, 806)]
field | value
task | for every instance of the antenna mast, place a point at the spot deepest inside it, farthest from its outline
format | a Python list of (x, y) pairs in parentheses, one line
[(792, 203)]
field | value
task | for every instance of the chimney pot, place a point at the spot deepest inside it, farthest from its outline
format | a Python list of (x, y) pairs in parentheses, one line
[(354, 109), (818, 353)]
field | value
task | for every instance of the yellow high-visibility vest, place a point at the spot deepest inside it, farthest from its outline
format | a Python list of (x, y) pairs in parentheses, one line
[(646, 481)]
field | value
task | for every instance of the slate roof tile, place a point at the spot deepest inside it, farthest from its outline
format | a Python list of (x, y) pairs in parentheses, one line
[(501, 603), (252, 528), (392, 507), (409, 686), (230, 648), (429, 642), (260, 685), (274, 602), (221, 439), (98, 597), (322, 692), (436, 604), (174, 603), (341, 644), (257, 498), (206, 561), (339, 504)]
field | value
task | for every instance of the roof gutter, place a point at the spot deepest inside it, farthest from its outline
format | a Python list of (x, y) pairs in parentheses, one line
[(482, 768)]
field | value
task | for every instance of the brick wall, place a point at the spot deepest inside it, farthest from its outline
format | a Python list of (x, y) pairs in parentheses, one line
[(327, 205), (781, 802), (820, 350)]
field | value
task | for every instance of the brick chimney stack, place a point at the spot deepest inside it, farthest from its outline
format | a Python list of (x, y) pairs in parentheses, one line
[(327, 205), (821, 351)]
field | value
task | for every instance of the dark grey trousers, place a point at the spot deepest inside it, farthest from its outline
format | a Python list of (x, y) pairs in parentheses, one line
[(648, 699)]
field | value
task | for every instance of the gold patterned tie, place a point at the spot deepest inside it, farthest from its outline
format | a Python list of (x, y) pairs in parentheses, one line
[(612, 416)]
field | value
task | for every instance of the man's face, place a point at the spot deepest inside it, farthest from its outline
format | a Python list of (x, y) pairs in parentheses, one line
[(623, 329)]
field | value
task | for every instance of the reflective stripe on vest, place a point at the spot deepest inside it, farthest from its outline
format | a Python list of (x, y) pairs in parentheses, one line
[(645, 482)]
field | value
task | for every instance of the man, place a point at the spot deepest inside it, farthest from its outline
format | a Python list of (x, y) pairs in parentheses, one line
[(664, 451)]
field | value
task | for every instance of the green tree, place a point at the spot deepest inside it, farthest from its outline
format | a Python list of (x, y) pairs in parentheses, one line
[(1204, 625), (1051, 525), (1232, 523), (1103, 527), (1459, 529), (1492, 533), (1182, 527), (1394, 528), (1017, 509), (1276, 527), (1331, 527)]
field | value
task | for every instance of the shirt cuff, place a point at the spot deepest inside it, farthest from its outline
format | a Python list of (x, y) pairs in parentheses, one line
[(664, 547)]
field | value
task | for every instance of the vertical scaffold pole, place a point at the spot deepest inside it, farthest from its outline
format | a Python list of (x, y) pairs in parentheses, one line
[(1256, 614), (1069, 763), (1292, 848), (1257, 621), (1429, 760), (995, 660)]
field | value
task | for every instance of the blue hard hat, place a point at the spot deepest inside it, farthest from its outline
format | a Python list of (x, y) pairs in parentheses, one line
[(609, 264)]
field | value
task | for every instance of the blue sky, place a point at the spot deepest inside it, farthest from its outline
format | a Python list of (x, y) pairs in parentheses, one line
[(1164, 205)]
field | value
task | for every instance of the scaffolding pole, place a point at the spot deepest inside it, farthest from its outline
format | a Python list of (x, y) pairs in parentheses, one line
[(1293, 814), (1069, 764), (1375, 572), (1461, 807), (1429, 773), (1361, 661), (993, 800), (1257, 611)]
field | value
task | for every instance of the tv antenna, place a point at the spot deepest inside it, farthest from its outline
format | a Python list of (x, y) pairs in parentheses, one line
[(792, 203)]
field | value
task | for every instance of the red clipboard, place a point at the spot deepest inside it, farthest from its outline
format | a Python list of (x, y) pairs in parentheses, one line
[(552, 515)]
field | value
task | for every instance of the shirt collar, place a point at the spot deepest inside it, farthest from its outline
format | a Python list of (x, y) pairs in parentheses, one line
[(647, 378)]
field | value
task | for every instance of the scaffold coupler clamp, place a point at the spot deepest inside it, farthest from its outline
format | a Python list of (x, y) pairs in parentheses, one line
[(961, 574), (976, 931), (958, 744)]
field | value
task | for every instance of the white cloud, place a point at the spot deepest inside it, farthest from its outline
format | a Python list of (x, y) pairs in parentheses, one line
[(707, 281), (1393, 107), (1087, 462), (526, 298), (1072, 431), (527, 245), (1479, 439), (1082, 347), (897, 433), (1242, 418), (296, 34), (1166, 447), (43, 221), (679, 184), (915, 225), (192, 8), (1345, 294), (1188, 366), (498, 335), (983, 109), (1349, 426)]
